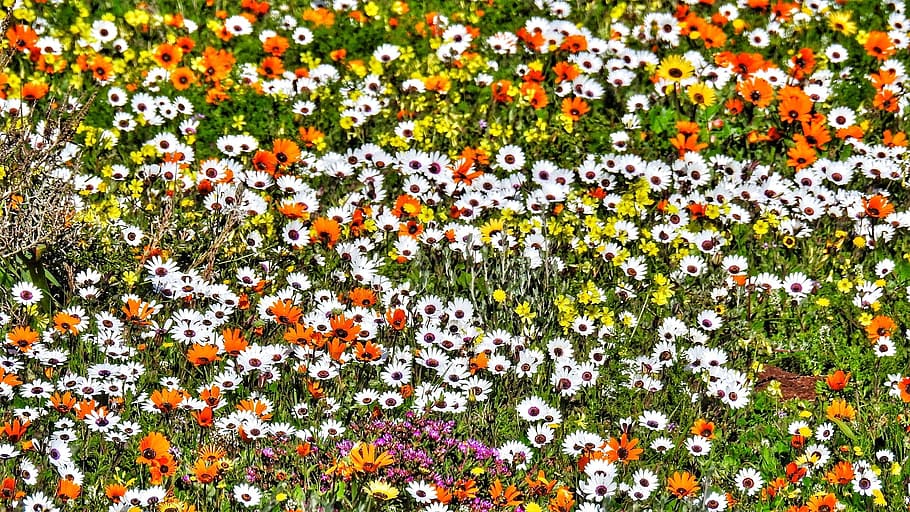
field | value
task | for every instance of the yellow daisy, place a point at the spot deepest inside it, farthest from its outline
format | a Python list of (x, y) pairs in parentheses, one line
[(382, 491), (675, 68), (701, 94)]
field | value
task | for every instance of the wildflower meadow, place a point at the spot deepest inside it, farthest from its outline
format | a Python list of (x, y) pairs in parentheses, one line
[(465, 256)]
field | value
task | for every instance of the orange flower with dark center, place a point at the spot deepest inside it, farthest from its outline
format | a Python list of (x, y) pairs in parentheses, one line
[(574, 108), (814, 134), (406, 206), (22, 338), (33, 91), (795, 105), (744, 64), (101, 68), (683, 485), (344, 328), (14, 430), (623, 449), (366, 459), (257, 8), (22, 37), (795, 473), (801, 156), (535, 95), (703, 429), (574, 43), (566, 71), (234, 342), (285, 312), (841, 410), (756, 91), (66, 323), (412, 229), (465, 489), (257, 407), (137, 312), (880, 325), (8, 488), (879, 45), (182, 78), (186, 44), (533, 76), (303, 335), (166, 400), (367, 352), (508, 497), (838, 380), (500, 91), (168, 55), (216, 64), (310, 136), (211, 396), (713, 36), (275, 46), (826, 503), (687, 128), (886, 100), (326, 231), (63, 403), (163, 467), (151, 447), (271, 67), (204, 472), (878, 206), (265, 161), (286, 152), (562, 502), (802, 63), (201, 355), (397, 319), (67, 490), (840, 474), (685, 144), (904, 388), (362, 297), (115, 491), (894, 139)]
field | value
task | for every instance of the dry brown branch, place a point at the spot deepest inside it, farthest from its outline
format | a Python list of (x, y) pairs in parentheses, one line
[(37, 201)]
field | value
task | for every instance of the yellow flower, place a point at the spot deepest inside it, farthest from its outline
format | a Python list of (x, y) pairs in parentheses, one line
[(382, 491), (533, 507), (844, 285), (773, 388), (524, 312), (879, 498), (675, 68), (499, 295), (840, 21), (130, 277), (702, 95), (492, 226), (859, 241)]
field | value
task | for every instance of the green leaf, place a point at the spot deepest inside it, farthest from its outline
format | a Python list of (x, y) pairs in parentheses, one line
[(846, 429)]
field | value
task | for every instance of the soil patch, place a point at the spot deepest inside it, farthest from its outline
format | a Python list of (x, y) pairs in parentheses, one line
[(792, 385)]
